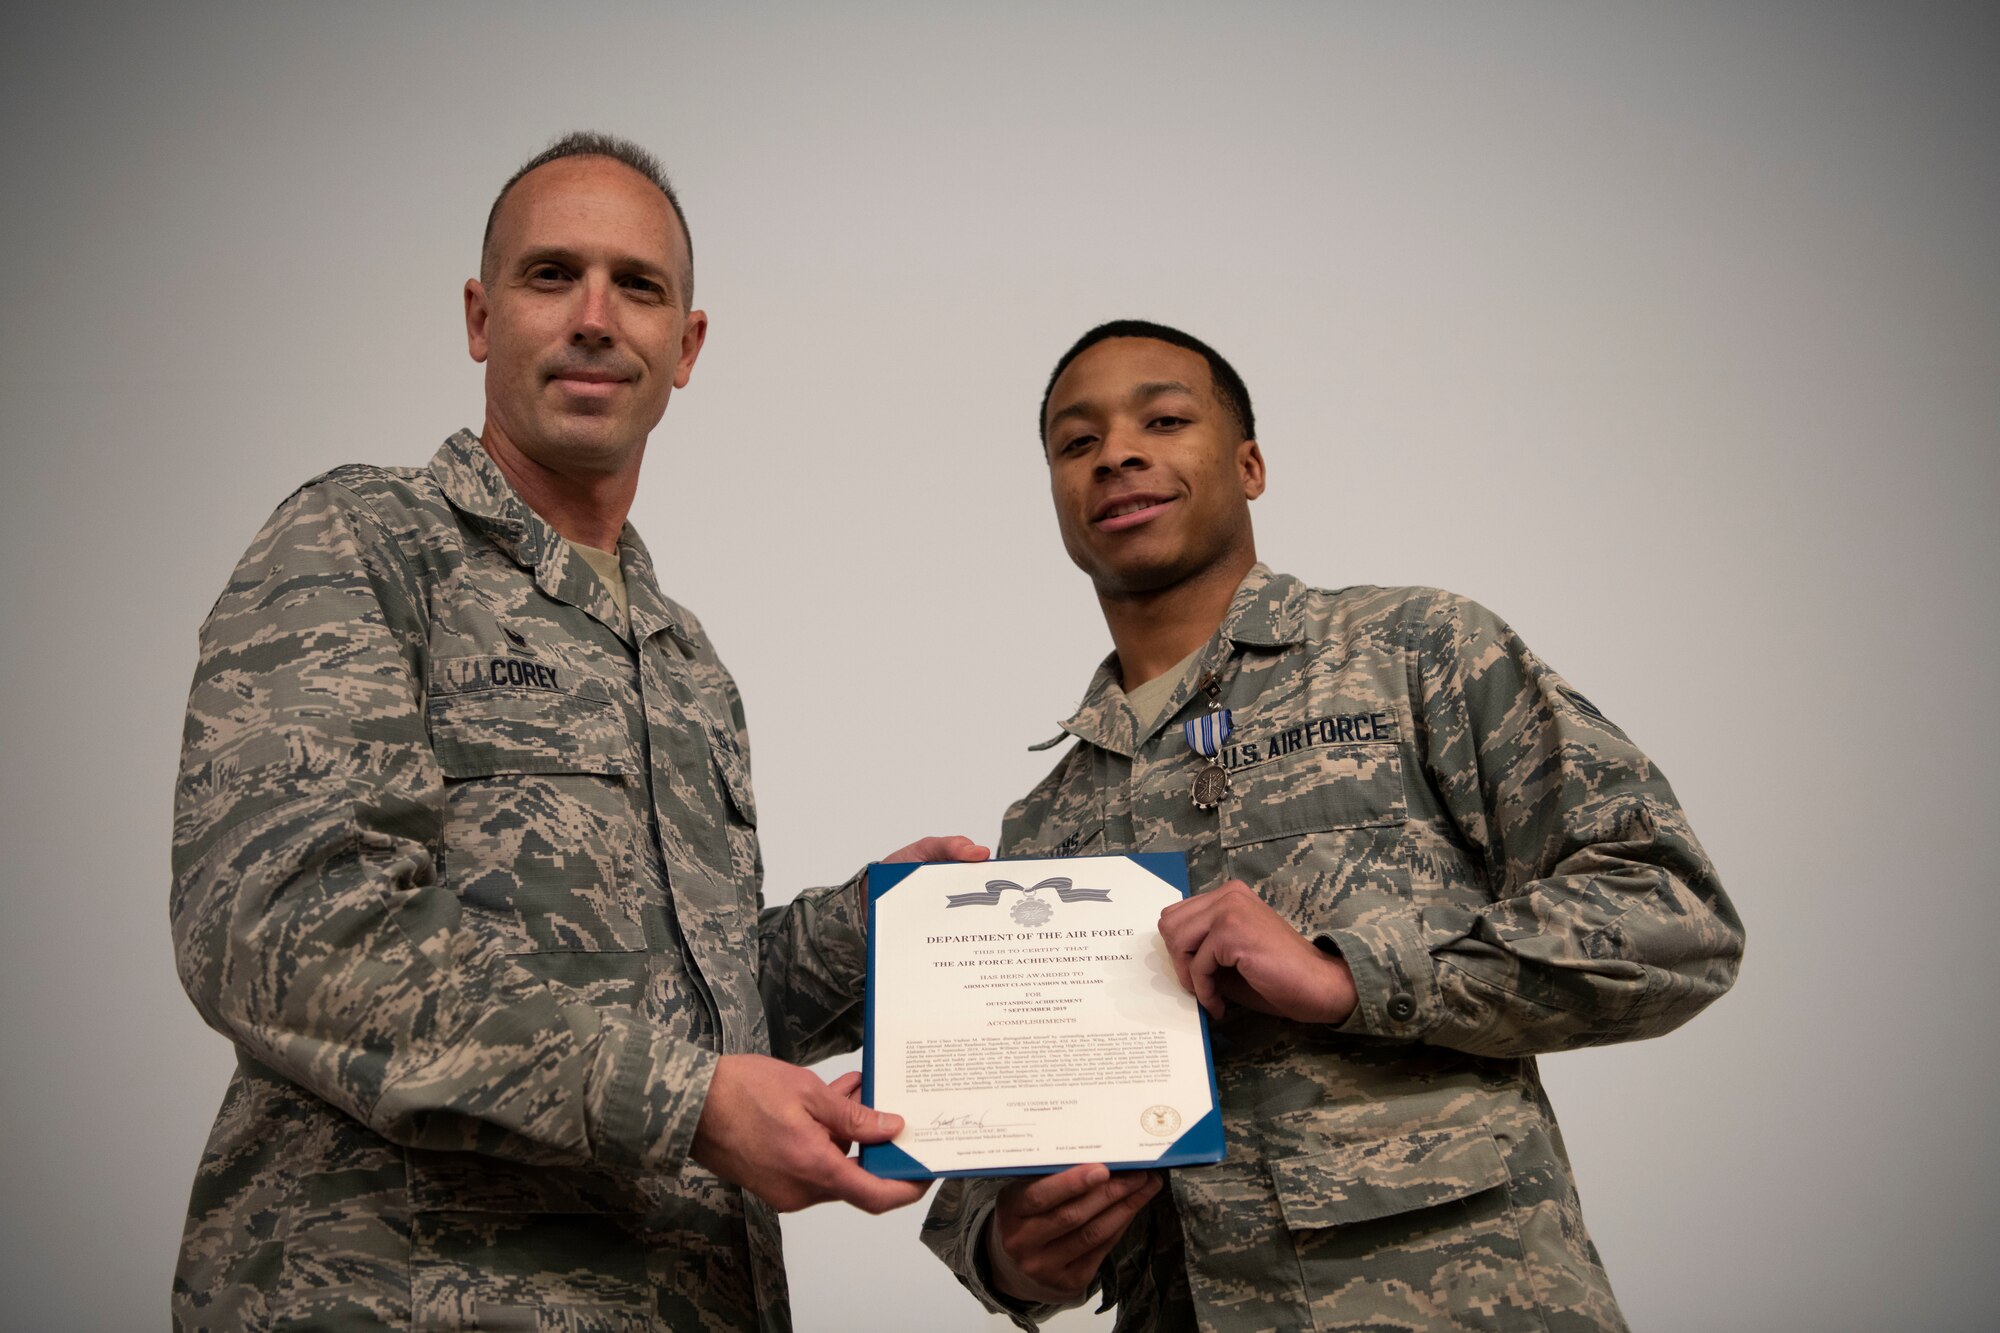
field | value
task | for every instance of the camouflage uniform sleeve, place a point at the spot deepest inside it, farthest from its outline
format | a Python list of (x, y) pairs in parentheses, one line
[(1606, 921), (310, 926), (813, 960)]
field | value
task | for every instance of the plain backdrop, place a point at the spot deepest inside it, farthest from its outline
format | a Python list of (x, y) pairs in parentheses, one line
[(1670, 332)]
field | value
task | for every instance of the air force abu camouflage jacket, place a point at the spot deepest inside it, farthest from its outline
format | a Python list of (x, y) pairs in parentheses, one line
[(469, 874), (1505, 873)]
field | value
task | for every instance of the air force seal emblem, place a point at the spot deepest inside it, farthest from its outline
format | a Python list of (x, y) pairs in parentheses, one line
[(1030, 911)]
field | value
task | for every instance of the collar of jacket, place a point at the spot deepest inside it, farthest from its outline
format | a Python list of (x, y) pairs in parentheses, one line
[(1267, 612), (477, 488)]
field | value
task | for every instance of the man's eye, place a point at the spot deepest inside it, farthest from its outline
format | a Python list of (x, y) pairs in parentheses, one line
[(643, 286), (1168, 423), (1076, 444), (546, 273)]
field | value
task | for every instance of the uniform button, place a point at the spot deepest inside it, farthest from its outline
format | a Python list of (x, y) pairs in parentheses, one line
[(1402, 1008)]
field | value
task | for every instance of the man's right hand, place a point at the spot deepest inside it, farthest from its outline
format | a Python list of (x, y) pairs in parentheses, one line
[(779, 1132), (1048, 1235)]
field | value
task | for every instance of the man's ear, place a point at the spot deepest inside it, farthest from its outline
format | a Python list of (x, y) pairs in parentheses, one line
[(693, 334), (1250, 467), (475, 319)]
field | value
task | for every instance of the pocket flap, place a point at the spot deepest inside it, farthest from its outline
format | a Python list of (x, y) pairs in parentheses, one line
[(735, 771), (1319, 790), (479, 735), (1384, 1177)]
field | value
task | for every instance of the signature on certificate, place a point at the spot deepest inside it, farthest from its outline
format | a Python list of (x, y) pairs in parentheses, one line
[(960, 1120)]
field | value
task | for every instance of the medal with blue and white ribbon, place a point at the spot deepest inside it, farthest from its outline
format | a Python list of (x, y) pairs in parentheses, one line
[(1205, 735)]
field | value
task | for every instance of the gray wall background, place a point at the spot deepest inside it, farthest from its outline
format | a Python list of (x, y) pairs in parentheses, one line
[(1672, 333)]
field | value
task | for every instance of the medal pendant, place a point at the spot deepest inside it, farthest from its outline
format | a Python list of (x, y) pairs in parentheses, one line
[(1210, 786)]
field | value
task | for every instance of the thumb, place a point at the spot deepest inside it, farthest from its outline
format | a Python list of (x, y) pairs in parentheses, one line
[(960, 848), (953, 847), (850, 1121)]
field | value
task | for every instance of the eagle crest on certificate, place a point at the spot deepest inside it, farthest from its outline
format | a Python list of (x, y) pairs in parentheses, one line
[(1030, 911)]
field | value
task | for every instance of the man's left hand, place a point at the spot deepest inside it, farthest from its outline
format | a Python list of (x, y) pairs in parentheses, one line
[(952, 848), (1229, 945)]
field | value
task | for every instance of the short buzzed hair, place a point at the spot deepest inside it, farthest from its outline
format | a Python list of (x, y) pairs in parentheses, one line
[(591, 143), (1230, 391)]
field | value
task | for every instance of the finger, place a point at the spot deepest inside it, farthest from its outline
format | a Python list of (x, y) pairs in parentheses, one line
[(1235, 899), (848, 1088), (1235, 990), (955, 847), (1182, 939), (1198, 905), (1184, 924), (848, 1120), (1051, 1192), (1094, 1221), (1184, 955), (959, 848), (912, 852), (1183, 915), (1201, 972), (1103, 1231), (1063, 1228), (869, 1192)]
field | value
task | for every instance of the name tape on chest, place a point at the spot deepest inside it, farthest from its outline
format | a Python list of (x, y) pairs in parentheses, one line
[(463, 674), (1338, 729), (1077, 841)]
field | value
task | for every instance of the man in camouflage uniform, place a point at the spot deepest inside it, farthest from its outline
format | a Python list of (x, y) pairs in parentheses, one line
[(1433, 861), (466, 864)]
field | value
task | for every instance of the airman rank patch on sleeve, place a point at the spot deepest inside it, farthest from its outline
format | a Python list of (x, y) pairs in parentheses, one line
[(1584, 705)]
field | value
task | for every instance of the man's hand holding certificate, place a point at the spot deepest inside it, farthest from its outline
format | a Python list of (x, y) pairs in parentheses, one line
[(1024, 1016)]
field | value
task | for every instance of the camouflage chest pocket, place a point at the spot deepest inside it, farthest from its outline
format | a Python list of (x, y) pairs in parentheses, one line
[(539, 822), (1319, 790), (740, 828), (1312, 828)]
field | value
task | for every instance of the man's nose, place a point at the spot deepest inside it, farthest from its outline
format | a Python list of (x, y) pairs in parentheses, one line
[(593, 326), (1123, 449)]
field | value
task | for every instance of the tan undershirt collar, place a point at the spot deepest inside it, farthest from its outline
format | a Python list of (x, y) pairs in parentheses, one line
[(1147, 700), (606, 565)]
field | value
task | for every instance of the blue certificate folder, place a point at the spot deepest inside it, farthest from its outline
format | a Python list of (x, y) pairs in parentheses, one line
[(1201, 1144)]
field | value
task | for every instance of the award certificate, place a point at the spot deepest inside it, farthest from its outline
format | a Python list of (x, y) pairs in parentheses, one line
[(1023, 1016)]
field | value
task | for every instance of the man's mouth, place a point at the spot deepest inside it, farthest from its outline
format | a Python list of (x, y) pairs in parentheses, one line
[(1129, 511), (588, 381)]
